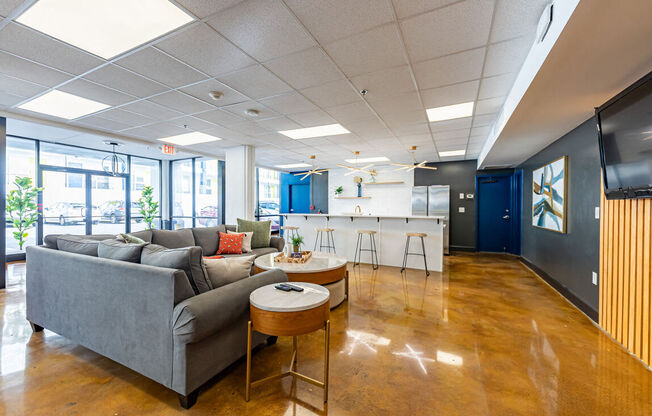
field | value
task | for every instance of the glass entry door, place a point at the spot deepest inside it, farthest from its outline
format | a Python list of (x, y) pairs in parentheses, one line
[(108, 198)]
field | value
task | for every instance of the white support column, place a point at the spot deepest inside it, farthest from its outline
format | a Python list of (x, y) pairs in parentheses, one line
[(240, 178)]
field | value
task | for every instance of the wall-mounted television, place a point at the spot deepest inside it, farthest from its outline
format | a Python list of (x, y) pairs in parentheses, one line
[(625, 136)]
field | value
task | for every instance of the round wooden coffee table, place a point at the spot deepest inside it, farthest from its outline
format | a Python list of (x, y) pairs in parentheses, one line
[(278, 313), (328, 270)]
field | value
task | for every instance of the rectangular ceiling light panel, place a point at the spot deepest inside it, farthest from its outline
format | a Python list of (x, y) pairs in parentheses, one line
[(450, 112), (105, 28), (61, 104), (368, 160), (452, 153), (188, 139), (319, 131)]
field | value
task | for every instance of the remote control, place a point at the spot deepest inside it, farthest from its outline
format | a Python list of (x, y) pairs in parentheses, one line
[(293, 287), (283, 287)]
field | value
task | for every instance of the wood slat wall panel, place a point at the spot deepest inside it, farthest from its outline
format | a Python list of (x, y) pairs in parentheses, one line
[(625, 274)]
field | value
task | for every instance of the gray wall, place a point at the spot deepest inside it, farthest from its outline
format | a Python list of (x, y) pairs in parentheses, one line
[(319, 192), (461, 178), (568, 258)]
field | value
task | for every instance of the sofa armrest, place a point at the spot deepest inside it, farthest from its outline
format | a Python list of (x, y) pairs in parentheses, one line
[(205, 314), (277, 242)]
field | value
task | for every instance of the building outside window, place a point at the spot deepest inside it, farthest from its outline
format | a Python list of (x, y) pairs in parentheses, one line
[(144, 172), (20, 162), (196, 192), (269, 197)]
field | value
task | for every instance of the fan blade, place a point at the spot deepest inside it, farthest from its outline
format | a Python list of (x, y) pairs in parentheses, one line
[(345, 166), (306, 175)]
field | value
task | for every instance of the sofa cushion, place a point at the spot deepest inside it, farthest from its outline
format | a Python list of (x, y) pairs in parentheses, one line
[(145, 235), (50, 240), (262, 231), (78, 244), (207, 238), (173, 239), (228, 270), (188, 259), (118, 250), (230, 243)]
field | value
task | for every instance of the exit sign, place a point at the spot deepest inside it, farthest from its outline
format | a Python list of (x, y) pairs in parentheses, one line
[(167, 149)]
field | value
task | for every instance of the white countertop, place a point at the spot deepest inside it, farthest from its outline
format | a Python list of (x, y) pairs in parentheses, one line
[(319, 262), (411, 217), (271, 299)]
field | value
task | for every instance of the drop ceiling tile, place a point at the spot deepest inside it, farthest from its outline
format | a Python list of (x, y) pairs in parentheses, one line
[(220, 117), (96, 92), (400, 103), (412, 129), (158, 66), (386, 82), (402, 118), (305, 69), (239, 110), (204, 8), (369, 51), (456, 124), (451, 69), (101, 123), (202, 48), (451, 94), (149, 109), (8, 100), (193, 123), (249, 128), (452, 134), (181, 102), (278, 124), (480, 131), (156, 131), (19, 87), (484, 119), (127, 117), (225, 133), (201, 90), (506, 56), (265, 29), (126, 81), (331, 94), (329, 20), (491, 105), (451, 29), (289, 103), (415, 140), (30, 71), (517, 18), (7, 6), (407, 8), (351, 112), (35, 46), (477, 140), (255, 82), (312, 118), (496, 86)]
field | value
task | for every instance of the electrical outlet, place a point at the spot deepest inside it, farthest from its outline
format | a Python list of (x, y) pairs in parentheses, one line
[(461, 195), (594, 278), (461, 209), (597, 213)]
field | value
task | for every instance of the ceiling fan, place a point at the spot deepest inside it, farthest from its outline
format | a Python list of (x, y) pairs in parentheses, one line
[(312, 171), (413, 165), (354, 169)]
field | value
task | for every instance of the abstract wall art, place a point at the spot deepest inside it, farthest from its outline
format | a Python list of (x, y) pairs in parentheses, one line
[(549, 195)]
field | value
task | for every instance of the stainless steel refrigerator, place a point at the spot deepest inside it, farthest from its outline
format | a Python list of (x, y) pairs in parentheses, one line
[(434, 200)]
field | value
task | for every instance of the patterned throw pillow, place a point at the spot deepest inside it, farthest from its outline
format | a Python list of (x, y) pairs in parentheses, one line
[(213, 257), (246, 242), (230, 243)]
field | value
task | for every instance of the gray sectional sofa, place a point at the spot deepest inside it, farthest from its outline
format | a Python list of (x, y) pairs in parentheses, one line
[(154, 320)]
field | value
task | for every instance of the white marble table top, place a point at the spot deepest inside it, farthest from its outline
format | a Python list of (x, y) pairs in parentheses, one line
[(271, 299), (319, 262)]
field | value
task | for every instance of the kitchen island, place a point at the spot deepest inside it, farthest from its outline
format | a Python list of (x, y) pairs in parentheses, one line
[(390, 236)]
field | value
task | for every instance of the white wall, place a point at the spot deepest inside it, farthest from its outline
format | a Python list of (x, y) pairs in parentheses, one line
[(240, 178), (385, 199)]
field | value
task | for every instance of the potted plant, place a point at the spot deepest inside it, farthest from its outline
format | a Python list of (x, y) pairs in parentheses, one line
[(297, 240), (21, 207), (148, 207), (338, 190)]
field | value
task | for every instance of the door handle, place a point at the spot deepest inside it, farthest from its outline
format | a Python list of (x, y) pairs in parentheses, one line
[(505, 217)]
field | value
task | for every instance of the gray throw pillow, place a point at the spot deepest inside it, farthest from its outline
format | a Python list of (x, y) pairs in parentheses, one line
[(207, 238), (118, 250), (188, 259), (128, 238), (145, 235), (228, 270), (78, 244), (173, 239)]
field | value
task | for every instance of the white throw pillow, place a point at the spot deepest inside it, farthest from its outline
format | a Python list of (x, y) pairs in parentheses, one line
[(228, 270), (246, 241)]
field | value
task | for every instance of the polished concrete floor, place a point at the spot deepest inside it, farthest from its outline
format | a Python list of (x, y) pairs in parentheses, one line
[(485, 337)]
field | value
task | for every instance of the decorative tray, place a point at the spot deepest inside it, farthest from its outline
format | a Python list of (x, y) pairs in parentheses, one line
[(282, 258)]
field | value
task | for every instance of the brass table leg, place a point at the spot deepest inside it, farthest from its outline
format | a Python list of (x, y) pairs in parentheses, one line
[(248, 387), (327, 349), (295, 354)]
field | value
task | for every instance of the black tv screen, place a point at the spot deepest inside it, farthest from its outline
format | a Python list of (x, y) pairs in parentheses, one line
[(625, 134)]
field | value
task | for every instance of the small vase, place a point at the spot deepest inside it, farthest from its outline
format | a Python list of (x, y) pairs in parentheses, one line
[(359, 190)]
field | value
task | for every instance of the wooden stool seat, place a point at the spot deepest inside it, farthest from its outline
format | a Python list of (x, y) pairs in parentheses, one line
[(289, 227), (366, 232), (330, 241), (407, 253), (325, 230), (416, 234)]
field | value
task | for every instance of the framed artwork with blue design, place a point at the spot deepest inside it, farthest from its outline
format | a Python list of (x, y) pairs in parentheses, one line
[(549, 184)]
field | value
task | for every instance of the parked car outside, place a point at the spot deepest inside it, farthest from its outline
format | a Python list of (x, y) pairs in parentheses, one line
[(208, 216), (265, 214), (64, 213), (114, 211)]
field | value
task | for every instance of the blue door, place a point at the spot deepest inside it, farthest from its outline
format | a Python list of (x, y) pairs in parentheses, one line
[(494, 216), (300, 199)]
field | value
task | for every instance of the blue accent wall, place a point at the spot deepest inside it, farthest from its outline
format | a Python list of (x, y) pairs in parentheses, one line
[(318, 191)]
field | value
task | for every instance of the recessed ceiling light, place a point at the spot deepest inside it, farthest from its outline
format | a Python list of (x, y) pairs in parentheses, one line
[(105, 28), (319, 131), (293, 165), (368, 159), (61, 104), (450, 112), (187, 139), (216, 95), (452, 153)]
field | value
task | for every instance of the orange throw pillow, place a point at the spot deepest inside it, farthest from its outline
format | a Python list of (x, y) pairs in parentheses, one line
[(230, 243), (213, 257)]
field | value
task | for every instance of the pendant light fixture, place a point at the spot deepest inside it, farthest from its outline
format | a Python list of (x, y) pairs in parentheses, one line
[(355, 168), (414, 165), (114, 164), (312, 171)]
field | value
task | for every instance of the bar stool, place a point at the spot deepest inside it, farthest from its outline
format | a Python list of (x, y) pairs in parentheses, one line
[(291, 231), (372, 249), (330, 241), (423, 248)]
